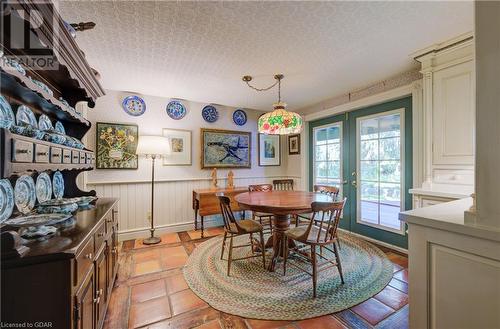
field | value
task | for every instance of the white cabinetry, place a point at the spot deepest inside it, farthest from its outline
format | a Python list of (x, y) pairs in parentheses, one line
[(448, 121)]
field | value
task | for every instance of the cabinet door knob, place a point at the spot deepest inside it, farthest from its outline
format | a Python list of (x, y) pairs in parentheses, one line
[(88, 256), (101, 234), (96, 300)]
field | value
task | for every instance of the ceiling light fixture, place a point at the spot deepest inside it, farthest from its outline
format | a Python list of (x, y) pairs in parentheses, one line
[(279, 121)]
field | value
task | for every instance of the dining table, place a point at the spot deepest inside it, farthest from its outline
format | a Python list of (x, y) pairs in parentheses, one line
[(283, 205)]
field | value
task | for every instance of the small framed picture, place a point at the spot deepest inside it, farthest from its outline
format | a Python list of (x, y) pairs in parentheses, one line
[(180, 147), (294, 144), (269, 150)]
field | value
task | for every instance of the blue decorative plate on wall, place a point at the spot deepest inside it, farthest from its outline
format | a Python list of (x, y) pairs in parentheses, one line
[(176, 110), (210, 114), (134, 105), (239, 117)]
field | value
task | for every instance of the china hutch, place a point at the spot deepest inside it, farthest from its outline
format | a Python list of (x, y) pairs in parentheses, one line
[(63, 280)]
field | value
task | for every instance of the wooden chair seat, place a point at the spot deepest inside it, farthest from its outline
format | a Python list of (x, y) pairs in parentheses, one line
[(297, 232), (245, 226)]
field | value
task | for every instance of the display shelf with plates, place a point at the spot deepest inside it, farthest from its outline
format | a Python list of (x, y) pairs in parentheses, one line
[(48, 225)]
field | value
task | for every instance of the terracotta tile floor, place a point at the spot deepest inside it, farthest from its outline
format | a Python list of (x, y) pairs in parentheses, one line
[(150, 292)]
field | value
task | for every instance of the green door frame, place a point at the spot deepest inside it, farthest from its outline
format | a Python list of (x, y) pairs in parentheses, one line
[(349, 162)]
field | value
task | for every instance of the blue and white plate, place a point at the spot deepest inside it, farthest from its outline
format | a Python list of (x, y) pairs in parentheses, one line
[(7, 118), (134, 105), (210, 114), (44, 123), (58, 185), (25, 194), (6, 199), (25, 117), (60, 128), (60, 206), (37, 220), (176, 110), (16, 66), (239, 117), (43, 187)]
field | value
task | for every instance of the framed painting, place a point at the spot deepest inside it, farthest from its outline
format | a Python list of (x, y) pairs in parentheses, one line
[(116, 144), (269, 150), (294, 144), (225, 149), (180, 147)]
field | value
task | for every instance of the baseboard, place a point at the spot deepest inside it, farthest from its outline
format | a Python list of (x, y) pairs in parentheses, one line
[(382, 243), (143, 232)]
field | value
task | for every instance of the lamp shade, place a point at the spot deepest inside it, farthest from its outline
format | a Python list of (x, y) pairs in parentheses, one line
[(280, 121), (153, 145)]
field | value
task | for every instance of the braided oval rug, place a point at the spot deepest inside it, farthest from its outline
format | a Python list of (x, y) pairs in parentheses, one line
[(253, 292)]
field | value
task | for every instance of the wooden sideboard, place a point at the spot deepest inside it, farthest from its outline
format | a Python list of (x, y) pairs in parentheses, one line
[(67, 279), (205, 202)]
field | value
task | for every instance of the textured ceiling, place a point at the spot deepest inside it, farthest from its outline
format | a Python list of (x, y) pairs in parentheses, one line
[(200, 50)]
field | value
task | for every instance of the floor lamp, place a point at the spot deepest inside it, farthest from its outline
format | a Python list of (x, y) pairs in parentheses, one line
[(153, 147)]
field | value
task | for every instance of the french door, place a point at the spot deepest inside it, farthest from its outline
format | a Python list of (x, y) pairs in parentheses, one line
[(367, 155)]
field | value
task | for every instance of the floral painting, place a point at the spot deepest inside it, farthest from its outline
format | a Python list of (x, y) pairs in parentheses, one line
[(116, 145), (225, 149)]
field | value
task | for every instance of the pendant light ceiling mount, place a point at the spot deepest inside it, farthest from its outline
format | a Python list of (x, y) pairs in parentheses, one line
[(279, 121)]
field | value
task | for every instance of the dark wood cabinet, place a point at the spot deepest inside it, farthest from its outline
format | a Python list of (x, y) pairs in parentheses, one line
[(84, 304), (67, 279)]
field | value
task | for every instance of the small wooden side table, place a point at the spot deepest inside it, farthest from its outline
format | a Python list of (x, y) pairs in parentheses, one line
[(205, 202)]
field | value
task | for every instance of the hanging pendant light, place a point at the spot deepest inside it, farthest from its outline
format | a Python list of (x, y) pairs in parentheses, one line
[(279, 121)]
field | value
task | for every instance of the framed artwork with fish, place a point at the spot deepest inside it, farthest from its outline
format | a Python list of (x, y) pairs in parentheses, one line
[(225, 149)]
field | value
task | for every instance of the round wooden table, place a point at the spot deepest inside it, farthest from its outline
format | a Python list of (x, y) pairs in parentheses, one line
[(281, 204)]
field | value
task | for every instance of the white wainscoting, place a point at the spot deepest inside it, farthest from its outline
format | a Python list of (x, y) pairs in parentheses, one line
[(173, 202)]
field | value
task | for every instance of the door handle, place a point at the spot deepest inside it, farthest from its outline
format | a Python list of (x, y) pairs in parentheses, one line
[(354, 183)]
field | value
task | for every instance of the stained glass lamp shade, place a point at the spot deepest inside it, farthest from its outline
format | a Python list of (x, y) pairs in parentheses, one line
[(280, 121)]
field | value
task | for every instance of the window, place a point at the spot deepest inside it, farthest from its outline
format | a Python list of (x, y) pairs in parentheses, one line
[(327, 157)]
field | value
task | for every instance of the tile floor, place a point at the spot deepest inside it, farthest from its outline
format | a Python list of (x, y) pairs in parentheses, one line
[(150, 292)]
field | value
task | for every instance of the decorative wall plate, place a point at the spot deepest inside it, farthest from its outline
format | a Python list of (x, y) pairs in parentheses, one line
[(43, 187), (25, 117), (7, 118), (176, 110), (210, 114), (44, 123), (60, 128), (37, 220), (239, 117), (6, 199), (25, 194), (58, 185), (134, 105)]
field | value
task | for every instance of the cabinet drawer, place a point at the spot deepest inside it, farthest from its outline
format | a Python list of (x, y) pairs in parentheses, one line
[(88, 158), (84, 260), (82, 157), (100, 236), (66, 156), (55, 154), (22, 151), (41, 153), (75, 157)]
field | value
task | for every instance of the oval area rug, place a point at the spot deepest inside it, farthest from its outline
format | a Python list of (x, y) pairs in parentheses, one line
[(253, 292)]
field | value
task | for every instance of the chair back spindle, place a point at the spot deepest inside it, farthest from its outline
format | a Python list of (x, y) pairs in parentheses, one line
[(325, 219), (227, 213), (283, 184)]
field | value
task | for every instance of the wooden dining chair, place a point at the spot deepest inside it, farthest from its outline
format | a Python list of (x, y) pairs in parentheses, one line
[(233, 228), (321, 231), (283, 184), (262, 217), (332, 191)]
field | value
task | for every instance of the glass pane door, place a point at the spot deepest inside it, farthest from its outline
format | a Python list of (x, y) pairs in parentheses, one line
[(327, 160), (379, 176)]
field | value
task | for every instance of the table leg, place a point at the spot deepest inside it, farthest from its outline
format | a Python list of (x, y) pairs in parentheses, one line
[(281, 224), (196, 207)]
